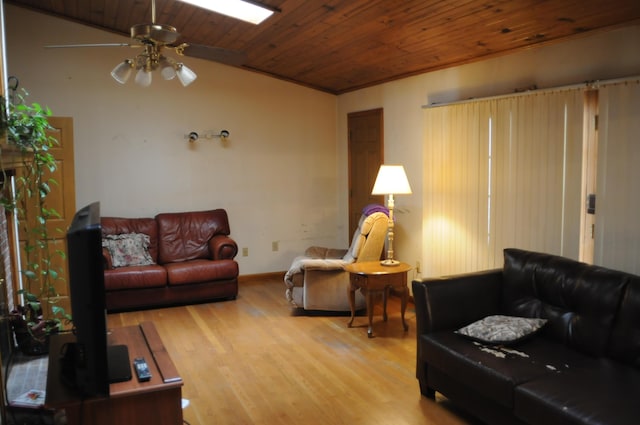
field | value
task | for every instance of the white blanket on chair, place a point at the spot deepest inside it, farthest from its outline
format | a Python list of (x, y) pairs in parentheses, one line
[(305, 263)]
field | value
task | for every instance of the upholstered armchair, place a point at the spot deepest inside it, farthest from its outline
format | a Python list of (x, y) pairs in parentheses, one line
[(317, 280)]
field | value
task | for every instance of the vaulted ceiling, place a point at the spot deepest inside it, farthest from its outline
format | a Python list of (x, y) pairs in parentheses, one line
[(339, 46)]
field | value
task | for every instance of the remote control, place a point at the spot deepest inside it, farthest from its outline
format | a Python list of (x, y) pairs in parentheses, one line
[(142, 369)]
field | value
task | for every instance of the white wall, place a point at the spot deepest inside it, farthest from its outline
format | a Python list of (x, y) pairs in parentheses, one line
[(276, 176), (606, 55), (283, 175)]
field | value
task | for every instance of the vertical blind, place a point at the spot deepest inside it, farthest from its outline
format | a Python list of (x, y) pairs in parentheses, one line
[(502, 172), (618, 178)]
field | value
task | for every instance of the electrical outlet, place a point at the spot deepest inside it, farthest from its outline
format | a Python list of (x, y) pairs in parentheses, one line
[(418, 270), (275, 246), (245, 252)]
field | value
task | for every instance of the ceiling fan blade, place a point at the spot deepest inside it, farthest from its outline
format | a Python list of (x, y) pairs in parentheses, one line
[(65, 46), (216, 54)]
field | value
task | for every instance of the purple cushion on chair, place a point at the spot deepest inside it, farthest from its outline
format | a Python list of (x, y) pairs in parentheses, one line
[(372, 208)]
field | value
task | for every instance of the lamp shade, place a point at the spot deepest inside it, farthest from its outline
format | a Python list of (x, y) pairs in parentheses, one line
[(143, 77), (167, 70), (122, 71), (391, 179), (185, 75)]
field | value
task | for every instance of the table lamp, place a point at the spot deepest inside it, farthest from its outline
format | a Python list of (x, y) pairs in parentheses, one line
[(391, 180)]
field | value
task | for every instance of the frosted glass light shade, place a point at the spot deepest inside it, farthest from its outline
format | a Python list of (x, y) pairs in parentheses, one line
[(391, 179), (167, 70), (122, 71), (143, 78), (185, 75)]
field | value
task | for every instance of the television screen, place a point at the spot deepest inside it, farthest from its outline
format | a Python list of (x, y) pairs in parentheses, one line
[(90, 364)]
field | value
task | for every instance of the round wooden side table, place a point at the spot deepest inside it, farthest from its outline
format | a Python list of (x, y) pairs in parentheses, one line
[(371, 277)]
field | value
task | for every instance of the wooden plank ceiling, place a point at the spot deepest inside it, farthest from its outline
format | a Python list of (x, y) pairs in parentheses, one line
[(342, 45)]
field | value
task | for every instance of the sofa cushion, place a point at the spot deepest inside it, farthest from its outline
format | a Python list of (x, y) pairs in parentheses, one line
[(598, 392), (493, 371), (503, 330), (579, 300), (128, 249), (197, 271), (185, 236), (135, 277)]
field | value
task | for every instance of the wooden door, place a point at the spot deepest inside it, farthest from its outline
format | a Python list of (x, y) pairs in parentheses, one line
[(62, 200), (366, 150)]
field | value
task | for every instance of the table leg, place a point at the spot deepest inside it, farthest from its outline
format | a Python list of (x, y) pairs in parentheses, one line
[(351, 294), (385, 296), (370, 313), (405, 297)]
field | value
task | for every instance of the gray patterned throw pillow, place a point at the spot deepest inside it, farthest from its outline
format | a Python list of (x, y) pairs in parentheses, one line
[(503, 330)]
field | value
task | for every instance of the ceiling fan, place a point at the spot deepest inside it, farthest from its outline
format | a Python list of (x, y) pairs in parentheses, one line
[(153, 38)]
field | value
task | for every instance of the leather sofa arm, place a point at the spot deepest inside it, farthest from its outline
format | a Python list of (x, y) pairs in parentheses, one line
[(451, 302), (222, 247)]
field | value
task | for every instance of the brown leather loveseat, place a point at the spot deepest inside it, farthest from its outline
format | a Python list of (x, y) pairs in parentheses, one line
[(171, 259)]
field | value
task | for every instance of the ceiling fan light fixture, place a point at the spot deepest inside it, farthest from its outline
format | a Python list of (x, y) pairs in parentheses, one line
[(143, 77), (185, 75), (122, 71), (247, 11), (146, 63), (167, 69)]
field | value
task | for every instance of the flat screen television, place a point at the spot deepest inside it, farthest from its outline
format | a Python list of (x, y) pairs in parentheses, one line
[(90, 364)]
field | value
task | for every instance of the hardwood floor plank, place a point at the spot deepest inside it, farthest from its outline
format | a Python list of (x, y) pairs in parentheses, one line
[(253, 361)]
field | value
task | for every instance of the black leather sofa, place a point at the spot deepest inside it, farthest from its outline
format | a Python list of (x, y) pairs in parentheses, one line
[(582, 367)]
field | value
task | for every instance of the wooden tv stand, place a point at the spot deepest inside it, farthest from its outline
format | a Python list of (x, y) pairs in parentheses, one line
[(158, 401)]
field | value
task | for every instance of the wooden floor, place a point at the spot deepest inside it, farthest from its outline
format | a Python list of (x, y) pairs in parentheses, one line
[(252, 361)]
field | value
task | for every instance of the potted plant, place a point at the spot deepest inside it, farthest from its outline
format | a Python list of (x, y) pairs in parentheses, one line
[(27, 129), (31, 329)]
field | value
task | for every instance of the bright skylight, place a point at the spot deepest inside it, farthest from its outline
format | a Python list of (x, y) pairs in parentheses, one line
[(238, 9)]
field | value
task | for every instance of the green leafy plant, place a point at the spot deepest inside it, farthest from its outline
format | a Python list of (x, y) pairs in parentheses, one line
[(3, 116), (32, 312), (27, 128), (31, 329)]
